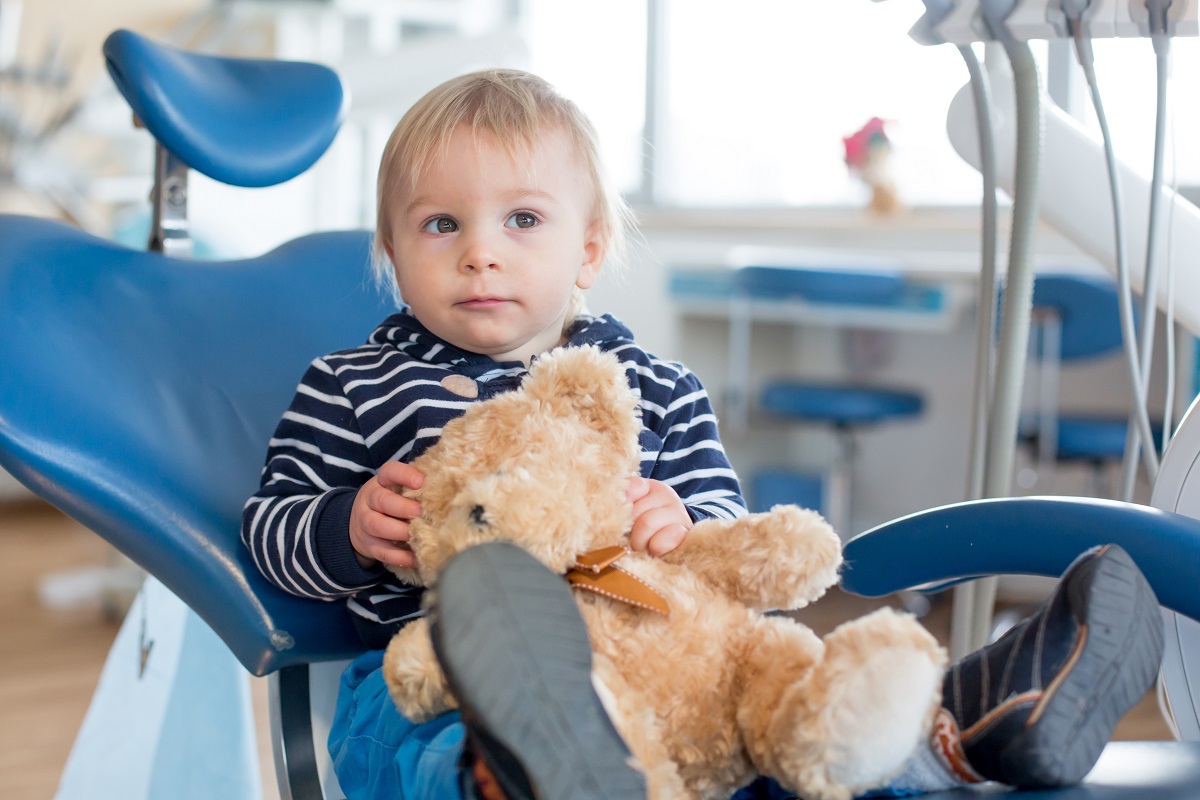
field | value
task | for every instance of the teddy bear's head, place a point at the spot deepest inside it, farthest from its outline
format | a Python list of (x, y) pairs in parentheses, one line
[(544, 466)]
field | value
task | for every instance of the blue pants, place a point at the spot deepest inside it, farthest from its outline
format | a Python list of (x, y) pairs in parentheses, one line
[(379, 754)]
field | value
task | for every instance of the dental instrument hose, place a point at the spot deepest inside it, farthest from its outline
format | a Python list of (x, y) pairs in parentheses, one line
[(986, 300), (1169, 312), (962, 614), (1142, 437), (1017, 305), (1083, 53)]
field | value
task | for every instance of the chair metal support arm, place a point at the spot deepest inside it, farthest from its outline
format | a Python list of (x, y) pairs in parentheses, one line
[(292, 734), (169, 232)]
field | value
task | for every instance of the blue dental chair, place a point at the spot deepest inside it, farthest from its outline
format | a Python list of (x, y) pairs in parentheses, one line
[(140, 391)]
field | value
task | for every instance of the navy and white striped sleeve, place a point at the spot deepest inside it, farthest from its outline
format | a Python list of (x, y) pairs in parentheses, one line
[(691, 459), (315, 462)]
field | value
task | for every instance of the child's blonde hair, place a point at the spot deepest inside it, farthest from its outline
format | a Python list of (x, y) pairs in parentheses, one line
[(514, 108)]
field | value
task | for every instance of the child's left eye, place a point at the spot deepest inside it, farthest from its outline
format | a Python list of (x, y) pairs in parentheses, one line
[(521, 219)]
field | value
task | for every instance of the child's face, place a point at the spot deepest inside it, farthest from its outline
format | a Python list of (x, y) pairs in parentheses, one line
[(487, 248)]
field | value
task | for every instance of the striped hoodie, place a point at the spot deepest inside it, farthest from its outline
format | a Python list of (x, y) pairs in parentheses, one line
[(357, 409)]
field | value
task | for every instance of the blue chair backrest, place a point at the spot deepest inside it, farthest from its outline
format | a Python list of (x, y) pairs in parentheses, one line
[(140, 392), (1088, 310)]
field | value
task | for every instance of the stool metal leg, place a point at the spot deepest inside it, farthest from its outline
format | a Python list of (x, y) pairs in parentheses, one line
[(840, 504), (839, 495)]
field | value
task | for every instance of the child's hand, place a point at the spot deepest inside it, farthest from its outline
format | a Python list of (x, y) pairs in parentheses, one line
[(660, 520), (380, 516)]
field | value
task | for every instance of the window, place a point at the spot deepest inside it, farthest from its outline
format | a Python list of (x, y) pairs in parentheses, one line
[(761, 92), (603, 71), (758, 94), (1126, 73)]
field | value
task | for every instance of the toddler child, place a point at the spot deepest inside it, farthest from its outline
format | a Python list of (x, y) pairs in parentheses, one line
[(494, 215)]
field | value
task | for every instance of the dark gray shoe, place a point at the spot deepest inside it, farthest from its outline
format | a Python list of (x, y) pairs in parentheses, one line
[(517, 656), (1036, 707)]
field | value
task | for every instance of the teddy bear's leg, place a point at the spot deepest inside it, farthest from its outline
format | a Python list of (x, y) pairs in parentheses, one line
[(854, 716), (412, 674), (882, 676), (638, 725)]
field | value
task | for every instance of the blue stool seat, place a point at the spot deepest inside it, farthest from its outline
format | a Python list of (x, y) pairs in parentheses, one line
[(209, 111), (1090, 438), (821, 285), (1082, 438), (838, 405)]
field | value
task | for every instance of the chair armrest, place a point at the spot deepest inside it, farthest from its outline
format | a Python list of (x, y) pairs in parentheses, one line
[(1025, 535)]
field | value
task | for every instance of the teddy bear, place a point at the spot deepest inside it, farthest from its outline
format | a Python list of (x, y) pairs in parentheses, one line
[(740, 692)]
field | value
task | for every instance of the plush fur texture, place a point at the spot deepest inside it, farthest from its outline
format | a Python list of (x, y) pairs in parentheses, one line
[(717, 692)]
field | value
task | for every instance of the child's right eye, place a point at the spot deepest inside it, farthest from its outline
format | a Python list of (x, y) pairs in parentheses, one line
[(440, 225)]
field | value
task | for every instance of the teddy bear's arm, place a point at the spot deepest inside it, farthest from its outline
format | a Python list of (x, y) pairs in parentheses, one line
[(413, 676), (784, 558)]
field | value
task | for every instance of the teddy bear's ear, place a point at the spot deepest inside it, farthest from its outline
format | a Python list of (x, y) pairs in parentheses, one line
[(586, 383)]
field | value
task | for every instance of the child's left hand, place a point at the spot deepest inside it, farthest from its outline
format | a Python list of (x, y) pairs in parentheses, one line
[(660, 520)]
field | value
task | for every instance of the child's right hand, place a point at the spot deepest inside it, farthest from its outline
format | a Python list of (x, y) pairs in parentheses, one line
[(380, 516)]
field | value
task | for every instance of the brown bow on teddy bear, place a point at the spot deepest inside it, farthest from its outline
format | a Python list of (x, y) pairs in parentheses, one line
[(735, 693)]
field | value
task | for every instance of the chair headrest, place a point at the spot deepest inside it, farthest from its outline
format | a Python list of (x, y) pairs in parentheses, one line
[(240, 121)]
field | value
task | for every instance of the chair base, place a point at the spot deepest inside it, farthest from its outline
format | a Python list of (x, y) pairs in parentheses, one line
[(171, 715)]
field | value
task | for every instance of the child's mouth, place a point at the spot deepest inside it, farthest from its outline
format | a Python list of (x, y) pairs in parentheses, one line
[(482, 303)]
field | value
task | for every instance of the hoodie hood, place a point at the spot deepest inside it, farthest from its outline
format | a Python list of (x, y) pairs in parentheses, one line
[(404, 332)]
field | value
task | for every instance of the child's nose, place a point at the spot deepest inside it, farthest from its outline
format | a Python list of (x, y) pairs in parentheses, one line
[(479, 254)]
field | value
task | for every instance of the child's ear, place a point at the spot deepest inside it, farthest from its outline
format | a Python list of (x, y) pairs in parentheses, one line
[(595, 247), (391, 254)]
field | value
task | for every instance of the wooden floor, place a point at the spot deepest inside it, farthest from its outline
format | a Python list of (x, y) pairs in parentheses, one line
[(50, 659)]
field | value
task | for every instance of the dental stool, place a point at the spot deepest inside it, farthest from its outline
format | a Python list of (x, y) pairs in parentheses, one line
[(846, 409), (1076, 321)]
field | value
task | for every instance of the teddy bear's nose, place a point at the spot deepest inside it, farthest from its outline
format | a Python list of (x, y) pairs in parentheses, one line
[(478, 516)]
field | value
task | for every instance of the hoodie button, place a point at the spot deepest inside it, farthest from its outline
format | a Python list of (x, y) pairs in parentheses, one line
[(461, 385)]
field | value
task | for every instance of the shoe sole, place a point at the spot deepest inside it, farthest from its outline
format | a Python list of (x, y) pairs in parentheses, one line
[(1115, 666), (518, 658)]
